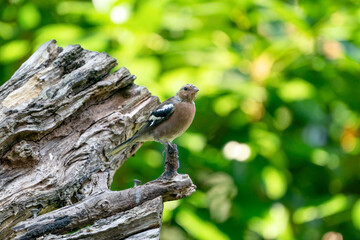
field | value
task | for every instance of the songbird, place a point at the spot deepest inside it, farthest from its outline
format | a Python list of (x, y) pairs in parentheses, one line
[(168, 121)]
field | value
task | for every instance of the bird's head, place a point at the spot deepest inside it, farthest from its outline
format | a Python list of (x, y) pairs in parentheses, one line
[(187, 93)]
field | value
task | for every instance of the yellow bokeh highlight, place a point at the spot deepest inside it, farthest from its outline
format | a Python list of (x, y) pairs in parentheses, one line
[(63, 33), (275, 182), (29, 16), (193, 141), (355, 214), (283, 118), (75, 7), (224, 105), (13, 51), (274, 225), (296, 90), (169, 207), (323, 158), (197, 227), (261, 67), (336, 204), (153, 158), (254, 109), (7, 30), (267, 142)]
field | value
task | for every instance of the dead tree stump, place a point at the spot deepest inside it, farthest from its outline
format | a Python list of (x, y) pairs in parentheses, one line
[(60, 113)]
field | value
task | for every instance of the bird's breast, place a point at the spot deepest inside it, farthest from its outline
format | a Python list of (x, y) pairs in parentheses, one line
[(177, 123)]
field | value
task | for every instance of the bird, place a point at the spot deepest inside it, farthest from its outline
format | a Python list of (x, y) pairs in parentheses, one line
[(168, 121)]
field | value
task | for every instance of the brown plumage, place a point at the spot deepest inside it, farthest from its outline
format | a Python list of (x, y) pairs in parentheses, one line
[(168, 121)]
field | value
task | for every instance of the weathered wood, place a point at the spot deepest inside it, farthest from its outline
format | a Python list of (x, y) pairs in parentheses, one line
[(138, 222), (152, 234), (60, 114), (103, 204)]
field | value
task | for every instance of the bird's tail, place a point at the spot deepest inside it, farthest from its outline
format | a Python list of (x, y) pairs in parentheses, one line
[(122, 146)]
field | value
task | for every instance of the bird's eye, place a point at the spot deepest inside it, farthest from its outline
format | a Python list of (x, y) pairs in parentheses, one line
[(185, 88)]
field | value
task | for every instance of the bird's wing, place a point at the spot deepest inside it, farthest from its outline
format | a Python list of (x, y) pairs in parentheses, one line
[(160, 114)]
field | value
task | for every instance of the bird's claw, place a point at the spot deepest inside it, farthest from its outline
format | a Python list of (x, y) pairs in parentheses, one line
[(170, 148)]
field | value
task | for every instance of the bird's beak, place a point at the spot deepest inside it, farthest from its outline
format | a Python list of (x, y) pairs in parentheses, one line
[(196, 89)]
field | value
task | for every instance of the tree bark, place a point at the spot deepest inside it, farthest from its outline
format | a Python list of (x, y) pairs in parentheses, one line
[(147, 216), (60, 114)]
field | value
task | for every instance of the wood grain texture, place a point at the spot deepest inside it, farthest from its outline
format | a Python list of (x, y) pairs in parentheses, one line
[(140, 222), (60, 113), (102, 205)]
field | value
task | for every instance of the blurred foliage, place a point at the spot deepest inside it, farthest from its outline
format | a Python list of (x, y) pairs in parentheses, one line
[(274, 148)]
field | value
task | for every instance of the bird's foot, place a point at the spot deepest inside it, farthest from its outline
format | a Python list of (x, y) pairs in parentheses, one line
[(168, 174), (165, 144), (171, 161), (170, 148)]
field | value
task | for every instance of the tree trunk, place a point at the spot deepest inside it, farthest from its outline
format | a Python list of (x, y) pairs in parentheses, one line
[(60, 114)]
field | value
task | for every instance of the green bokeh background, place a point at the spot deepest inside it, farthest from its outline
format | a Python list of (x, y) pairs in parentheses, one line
[(274, 148)]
